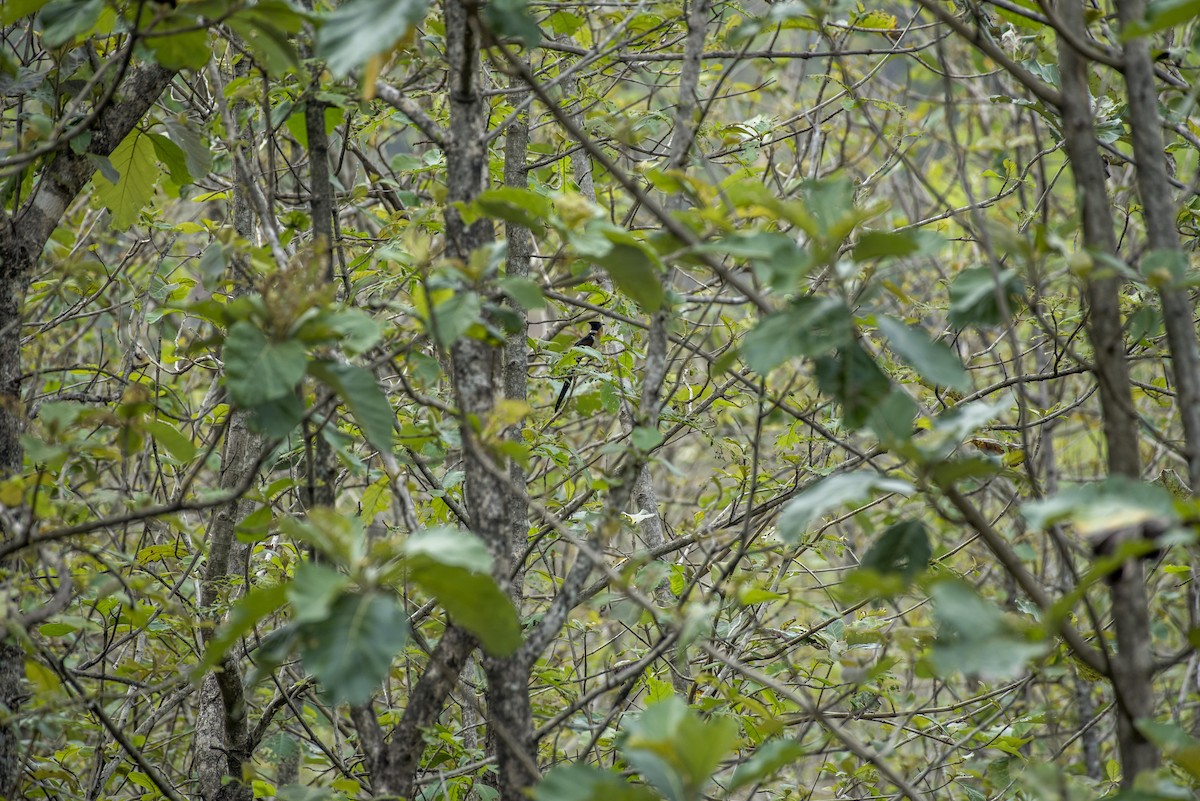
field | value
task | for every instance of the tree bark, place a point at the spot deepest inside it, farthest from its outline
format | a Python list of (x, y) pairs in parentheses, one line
[(1132, 668), (321, 465), (1159, 212), (516, 348), (474, 371), (222, 742), (22, 237)]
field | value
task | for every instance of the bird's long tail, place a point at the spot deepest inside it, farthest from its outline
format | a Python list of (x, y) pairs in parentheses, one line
[(562, 394)]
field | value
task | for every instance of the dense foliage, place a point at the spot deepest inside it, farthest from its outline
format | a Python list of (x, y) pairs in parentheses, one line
[(876, 482)]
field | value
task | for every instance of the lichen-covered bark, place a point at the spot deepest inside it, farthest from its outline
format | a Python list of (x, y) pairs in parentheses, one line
[(516, 348), (222, 739), (1132, 664), (22, 237), (474, 366), (394, 763), (321, 464), (1159, 210)]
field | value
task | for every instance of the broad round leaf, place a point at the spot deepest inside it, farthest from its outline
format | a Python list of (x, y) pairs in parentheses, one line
[(454, 567), (932, 360), (351, 651), (362, 395), (358, 30), (258, 370)]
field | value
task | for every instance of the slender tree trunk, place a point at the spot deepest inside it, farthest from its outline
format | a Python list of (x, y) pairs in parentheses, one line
[(1159, 211), (22, 237), (1102, 290), (12, 417), (516, 348), (1132, 665), (322, 466), (474, 367), (222, 739), (394, 764), (395, 760)]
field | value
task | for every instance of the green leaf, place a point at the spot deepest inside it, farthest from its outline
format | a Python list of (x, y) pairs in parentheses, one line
[(359, 331), (1161, 14), (14, 10), (138, 169), (277, 417), (267, 28), (1175, 743), (565, 23), (249, 610), (359, 30), (175, 160), (767, 759), (351, 651), (376, 498), (300, 792), (179, 446), (197, 151), (271, 48), (811, 326), (454, 566), (776, 257), (455, 315), (675, 749), (363, 396), (749, 245), (258, 370), (828, 494), (352, 328), (902, 549), (255, 526), (341, 538), (515, 205), (974, 638), (961, 422), (855, 380), (573, 782), (1020, 20), (187, 50), (63, 20), (958, 468), (932, 360), (524, 291), (646, 439), (892, 419), (274, 648), (830, 201), (885, 244), (1115, 502), (633, 266), (512, 18), (1165, 268), (635, 273), (313, 591), (973, 296)]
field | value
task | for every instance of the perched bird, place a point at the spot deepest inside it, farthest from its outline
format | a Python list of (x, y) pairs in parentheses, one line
[(588, 340)]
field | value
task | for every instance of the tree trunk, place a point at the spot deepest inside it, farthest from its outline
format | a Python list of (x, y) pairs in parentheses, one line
[(221, 743), (474, 371), (1132, 668), (516, 349), (24, 234), (1159, 212)]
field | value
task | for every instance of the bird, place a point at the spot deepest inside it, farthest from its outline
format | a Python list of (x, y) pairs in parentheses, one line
[(588, 340)]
